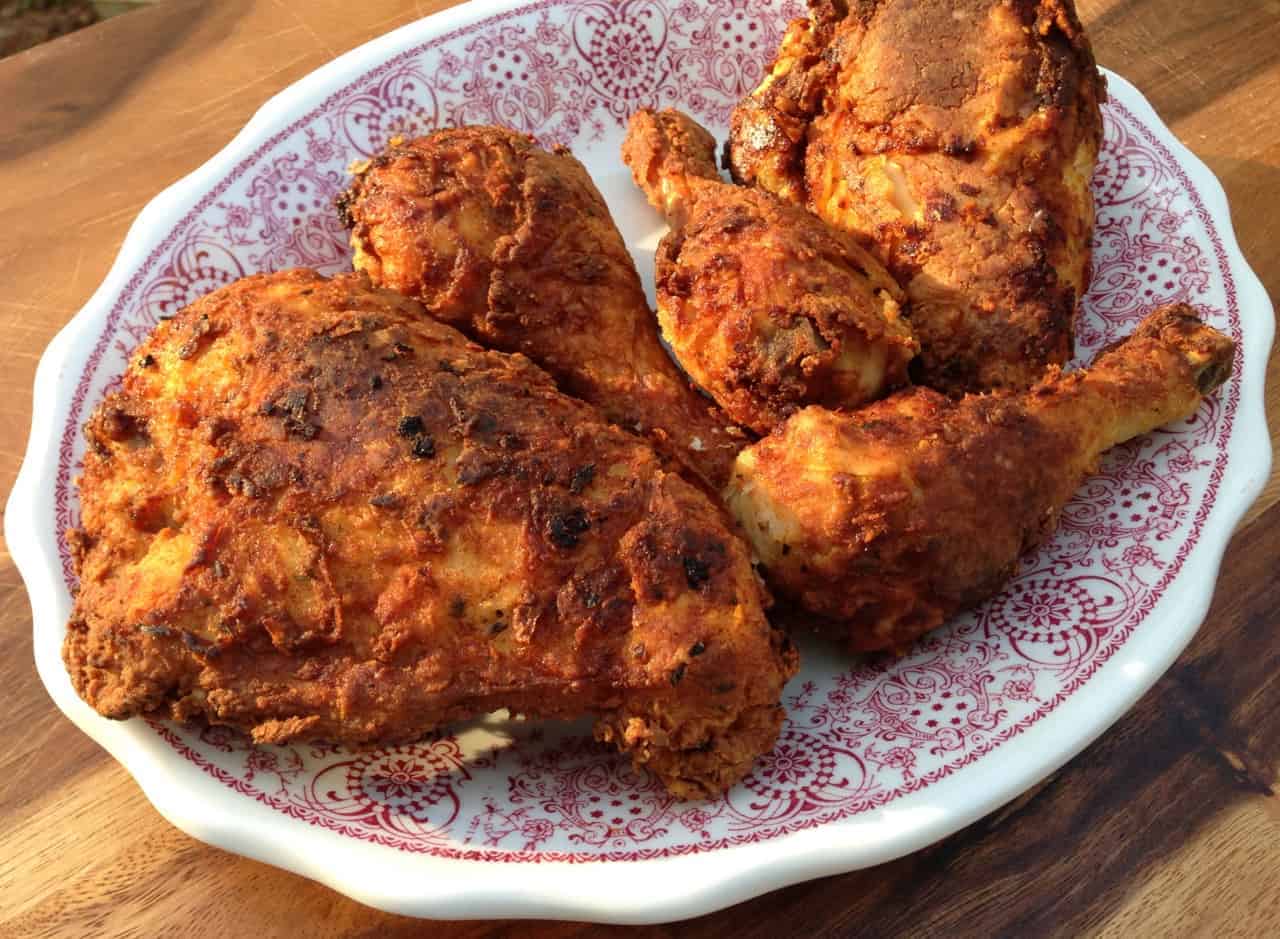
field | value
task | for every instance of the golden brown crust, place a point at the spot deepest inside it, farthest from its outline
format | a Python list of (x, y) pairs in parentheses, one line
[(672, 159), (514, 246), (765, 306), (312, 512), (888, 521), (957, 139)]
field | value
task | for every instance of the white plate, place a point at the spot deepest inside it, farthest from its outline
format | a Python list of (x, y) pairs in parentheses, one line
[(506, 819)]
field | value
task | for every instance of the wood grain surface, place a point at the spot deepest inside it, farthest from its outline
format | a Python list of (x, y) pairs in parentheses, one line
[(1168, 825)]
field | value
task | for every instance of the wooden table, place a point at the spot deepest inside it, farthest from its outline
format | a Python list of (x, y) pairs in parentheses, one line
[(1167, 825)]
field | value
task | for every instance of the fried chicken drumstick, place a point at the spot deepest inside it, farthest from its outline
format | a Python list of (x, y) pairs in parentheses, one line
[(887, 521), (515, 247), (957, 138), (764, 305), (310, 511)]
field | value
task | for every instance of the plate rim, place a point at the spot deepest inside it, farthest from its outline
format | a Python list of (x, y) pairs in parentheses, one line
[(654, 890)]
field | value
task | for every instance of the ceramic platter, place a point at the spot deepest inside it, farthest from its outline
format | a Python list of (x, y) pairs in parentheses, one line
[(878, 758)]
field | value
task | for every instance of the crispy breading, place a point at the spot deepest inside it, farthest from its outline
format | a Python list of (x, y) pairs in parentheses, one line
[(890, 520), (310, 511), (514, 246), (957, 139), (765, 306)]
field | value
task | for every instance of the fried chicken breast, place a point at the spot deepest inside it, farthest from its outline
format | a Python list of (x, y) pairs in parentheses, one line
[(310, 511), (765, 306), (957, 138), (514, 246), (888, 521)]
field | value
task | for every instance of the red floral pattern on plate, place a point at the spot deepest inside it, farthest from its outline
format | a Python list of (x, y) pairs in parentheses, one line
[(858, 736)]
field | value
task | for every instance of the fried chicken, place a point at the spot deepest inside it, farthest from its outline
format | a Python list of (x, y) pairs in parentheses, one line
[(515, 247), (888, 521), (957, 138), (310, 511), (764, 305)]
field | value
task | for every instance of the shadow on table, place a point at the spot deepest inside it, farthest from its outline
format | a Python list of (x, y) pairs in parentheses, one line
[(1184, 53), (66, 84)]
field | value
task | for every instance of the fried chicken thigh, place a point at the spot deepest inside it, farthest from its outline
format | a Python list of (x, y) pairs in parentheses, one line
[(310, 511), (764, 305), (515, 247), (957, 138), (887, 521)]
